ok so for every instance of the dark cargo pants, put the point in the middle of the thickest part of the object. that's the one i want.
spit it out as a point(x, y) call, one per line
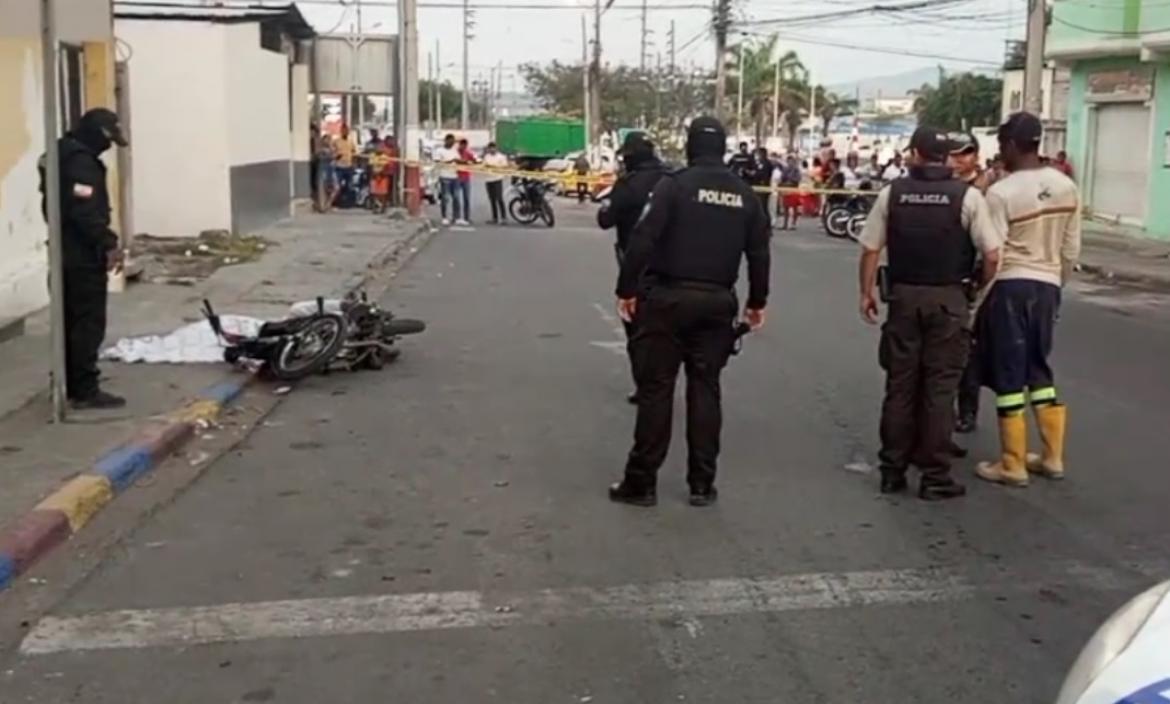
point(85, 328)
point(924, 349)
point(691, 327)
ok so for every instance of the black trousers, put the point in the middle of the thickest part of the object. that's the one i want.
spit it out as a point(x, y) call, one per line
point(1016, 329)
point(691, 327)
point(582, 191)
point(495, 191)
point(923, 349)
point(85, 328)
point(970, 384)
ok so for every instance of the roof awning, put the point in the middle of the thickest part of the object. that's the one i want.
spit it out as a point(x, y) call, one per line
point(288, 16)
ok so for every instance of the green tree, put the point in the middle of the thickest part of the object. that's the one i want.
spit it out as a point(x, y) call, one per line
point(960, 101)
point(452, 99)
point(830, 105)
point(759, 84)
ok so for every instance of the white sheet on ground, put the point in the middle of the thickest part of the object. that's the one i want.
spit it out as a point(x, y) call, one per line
point(195, 342)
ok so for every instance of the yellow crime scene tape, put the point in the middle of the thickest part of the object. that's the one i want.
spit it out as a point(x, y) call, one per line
point(593, 179)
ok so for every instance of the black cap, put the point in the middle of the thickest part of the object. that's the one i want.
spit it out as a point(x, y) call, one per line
point(963, 143)
point(1022, 129)
point(105, 121)
point(931, 143)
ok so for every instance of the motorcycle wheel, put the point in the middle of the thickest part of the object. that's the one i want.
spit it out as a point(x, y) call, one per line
point(837, 222)
point(854, 227)
point(546, 214)
point(393, 327)
point(521, 211)
point(310, 349)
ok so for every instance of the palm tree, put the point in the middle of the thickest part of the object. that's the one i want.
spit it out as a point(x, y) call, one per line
point(829, 105)
point(759, 73)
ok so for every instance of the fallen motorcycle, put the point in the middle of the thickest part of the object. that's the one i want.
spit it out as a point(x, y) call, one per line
point(286, 349)
point(371, 334)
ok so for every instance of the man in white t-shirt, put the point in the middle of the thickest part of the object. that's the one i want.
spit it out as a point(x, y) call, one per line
point(446, 159)
point(496, 162)
point(1037, 210)
point(894, 170)
point(852, 170)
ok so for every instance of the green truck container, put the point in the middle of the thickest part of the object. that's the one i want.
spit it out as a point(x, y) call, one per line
point(545, 137)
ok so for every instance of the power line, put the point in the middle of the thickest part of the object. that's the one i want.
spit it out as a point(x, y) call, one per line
point(1106, 32)
point(838, 14)
point(799, 39)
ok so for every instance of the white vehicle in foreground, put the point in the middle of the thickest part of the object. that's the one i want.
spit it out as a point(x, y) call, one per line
point(1127, 661)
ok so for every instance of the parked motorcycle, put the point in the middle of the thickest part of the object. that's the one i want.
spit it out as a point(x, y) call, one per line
point(287, 349)
point(530, 201)
point(844, 215)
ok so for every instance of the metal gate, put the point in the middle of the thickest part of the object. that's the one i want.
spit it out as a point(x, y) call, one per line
point(1121, 167)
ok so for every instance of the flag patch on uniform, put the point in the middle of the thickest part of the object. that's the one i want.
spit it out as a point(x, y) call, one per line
point(83, 190)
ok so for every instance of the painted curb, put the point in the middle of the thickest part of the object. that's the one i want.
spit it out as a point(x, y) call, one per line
point(64, 512)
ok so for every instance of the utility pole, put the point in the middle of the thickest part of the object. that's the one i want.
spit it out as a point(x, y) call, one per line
point(776, 102)
point(439, 92)
point(585, 71)
point(430, 95)
point(53, 209)
point(657, 90)
point(595, 76)
point(1034, 58)
point(408, 40)
point(739, 100)
point(468, 24)
point(642, 53)
point(721, 23)
point(671, 66)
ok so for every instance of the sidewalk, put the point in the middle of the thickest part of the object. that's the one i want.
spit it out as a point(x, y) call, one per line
point(310, 255)
point(1110, 253)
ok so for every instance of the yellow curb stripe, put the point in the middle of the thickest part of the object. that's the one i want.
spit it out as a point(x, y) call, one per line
point(204, 410)
point(79, 499)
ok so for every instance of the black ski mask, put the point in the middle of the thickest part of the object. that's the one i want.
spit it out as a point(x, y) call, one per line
point(706, 140)
point(99, 130)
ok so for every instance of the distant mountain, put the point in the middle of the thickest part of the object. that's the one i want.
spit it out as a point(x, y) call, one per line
point(895, 85)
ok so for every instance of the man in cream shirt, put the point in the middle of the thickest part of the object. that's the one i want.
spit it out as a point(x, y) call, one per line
point(1037, 209)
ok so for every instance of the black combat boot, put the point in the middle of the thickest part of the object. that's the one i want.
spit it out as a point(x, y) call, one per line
point(625, 492)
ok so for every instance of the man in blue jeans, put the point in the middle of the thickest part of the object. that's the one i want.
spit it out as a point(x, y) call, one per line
point(446, 159)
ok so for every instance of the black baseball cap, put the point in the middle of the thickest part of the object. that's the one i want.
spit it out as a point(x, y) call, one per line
point(1022, 128)
point(635, 142)
point(963, 143)
point(106, 122)
point(931, 143)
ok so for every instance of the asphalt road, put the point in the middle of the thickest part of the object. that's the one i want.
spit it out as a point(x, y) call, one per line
point(439, 531)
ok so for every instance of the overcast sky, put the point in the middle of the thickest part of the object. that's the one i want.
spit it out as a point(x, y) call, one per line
point(948, 33)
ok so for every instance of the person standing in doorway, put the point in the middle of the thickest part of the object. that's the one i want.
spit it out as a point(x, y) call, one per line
point(446, 159)
point(345, 151)
point(1038, 210)
point(466, 157)
point(90, 250)
point(496, 162)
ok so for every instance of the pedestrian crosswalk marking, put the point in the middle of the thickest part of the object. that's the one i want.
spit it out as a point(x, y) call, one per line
point(432, 611)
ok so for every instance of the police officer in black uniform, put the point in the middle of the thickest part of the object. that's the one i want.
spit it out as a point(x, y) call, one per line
point(625, 203)
point(932, 226)
point(698, 224)
point(89, 251)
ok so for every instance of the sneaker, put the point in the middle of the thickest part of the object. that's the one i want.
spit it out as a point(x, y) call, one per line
point(625, 493)
point(98, 400)
point(446, 222)
point(462, 222)
point(703, 496)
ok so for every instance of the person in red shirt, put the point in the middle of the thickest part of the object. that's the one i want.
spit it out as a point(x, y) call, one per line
point(1062, 164)
point(466, 156)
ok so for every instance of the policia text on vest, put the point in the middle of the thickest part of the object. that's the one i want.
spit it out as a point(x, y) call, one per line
point(678, 282)
point(931, 226)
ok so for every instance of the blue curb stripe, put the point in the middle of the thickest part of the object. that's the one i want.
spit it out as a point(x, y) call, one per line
point(224, 392)
point(124, 465)
point(7, 571)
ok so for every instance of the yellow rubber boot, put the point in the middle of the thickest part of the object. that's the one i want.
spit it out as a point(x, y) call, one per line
point(1051, 418)
point(1010, 469)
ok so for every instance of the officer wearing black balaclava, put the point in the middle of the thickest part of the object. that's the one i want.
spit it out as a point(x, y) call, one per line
point(89, 251)
point(677, 284)
point(624, 205)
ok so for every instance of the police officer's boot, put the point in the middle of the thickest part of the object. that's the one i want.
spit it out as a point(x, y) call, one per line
point(1011, 469)
point(626, 492)
point(893, 481)
point(1051, 418)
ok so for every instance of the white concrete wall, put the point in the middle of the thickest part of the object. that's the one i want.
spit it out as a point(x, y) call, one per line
point(257, 83)
point(179, 125)
point(23, 235)
point(300, 107)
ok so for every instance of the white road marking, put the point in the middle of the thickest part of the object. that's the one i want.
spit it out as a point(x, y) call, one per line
point(618, 346)
point(398, 613)
point(615, 347)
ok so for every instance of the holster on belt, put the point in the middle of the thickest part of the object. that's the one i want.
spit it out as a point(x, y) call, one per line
point(885, 286)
